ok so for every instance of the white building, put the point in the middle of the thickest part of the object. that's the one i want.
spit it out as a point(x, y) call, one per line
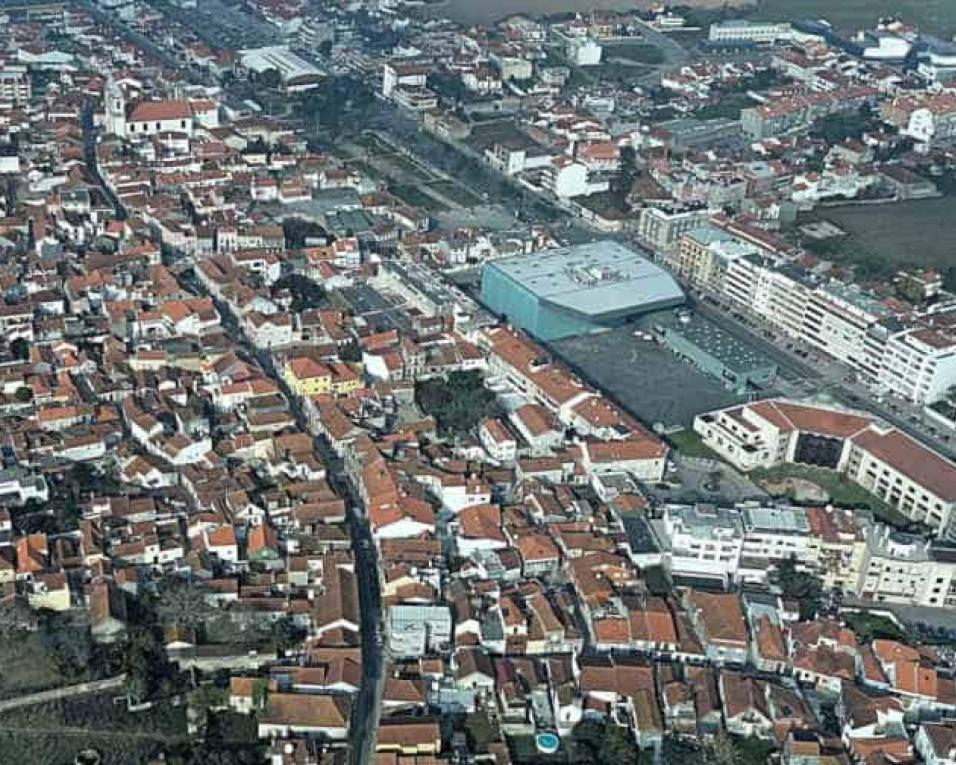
point(14, 83)
point(414, 631)
point(704, 540)
point(292, 68)
point(19, 486)
point(919, 365)
point(146, 118)
point(407, 76)
point(500, 444)
point(739, 31)
point(908, 476)
point(775, 534)
point(903, 568)
point(583, 51)
point(662, 228)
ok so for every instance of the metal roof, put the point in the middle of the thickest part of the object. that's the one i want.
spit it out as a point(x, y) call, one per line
point(596, 279)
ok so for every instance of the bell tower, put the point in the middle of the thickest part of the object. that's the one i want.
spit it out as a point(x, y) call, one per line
point(115, 108)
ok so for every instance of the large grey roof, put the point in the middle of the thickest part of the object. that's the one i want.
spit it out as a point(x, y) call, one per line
point(595, 279)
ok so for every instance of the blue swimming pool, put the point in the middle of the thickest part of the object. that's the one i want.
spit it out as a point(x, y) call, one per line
point(547, 743)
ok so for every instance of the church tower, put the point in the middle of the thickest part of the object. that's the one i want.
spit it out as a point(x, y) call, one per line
point(115, 108)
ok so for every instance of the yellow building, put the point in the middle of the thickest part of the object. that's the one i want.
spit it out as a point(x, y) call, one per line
point(307, 377)
point(344, 379)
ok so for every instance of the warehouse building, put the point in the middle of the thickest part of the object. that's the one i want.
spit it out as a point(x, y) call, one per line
point(576, 290)
point(716, 352)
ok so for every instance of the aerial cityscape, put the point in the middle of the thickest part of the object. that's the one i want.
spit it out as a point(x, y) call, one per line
point(516, 382)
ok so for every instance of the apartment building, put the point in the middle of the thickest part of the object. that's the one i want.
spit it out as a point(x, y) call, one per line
point(838, 319)
point(796, 111)
point(925, 117)
point(837, 544)
point(705, 540)
point(14, 83)
point(772, 535)
point(740, 32)
point(704, 254)
point(740, 544)
point(919, 364)
point(902, 568)
point(661, 228)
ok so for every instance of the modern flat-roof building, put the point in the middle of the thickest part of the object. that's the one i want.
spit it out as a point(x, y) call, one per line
point(717, 353)
point(416, 630)
point(576, 290)
point(741, 31)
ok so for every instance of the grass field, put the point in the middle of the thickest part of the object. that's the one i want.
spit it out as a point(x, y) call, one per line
point(641, 53)
point(688, 443)
point(934, 16)
point(57, 731)
point(919, 232)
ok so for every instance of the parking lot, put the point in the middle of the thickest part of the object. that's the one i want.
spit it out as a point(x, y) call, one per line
point(647, 380)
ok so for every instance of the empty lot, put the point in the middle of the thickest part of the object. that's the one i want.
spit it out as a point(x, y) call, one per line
point(919, 232)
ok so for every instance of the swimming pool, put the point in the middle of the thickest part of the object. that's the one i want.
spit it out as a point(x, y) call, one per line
point(547, 743)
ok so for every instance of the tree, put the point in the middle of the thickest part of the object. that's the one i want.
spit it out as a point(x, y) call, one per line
point(480, 731)
point(801, 586)
point(306, 294)
point(351, 352)
point(616, 746)
point(286, 634)
point(20, 348)
point(182, 605)
point(603, 742)
point(458, 403)
point(870, 627)
point(70, 646)
point(297, 230)
point(145, 662)
point(23, 394)
point(723, 751)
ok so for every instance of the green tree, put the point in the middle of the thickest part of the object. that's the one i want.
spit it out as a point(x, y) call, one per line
point(617, 746)
point(286, 634)
point(183, 605)
point(480, 731)
point(306, 294)
point(588, 735)
point(20, 348)
point(23, 394)
point(458, 403)
point(801, 586)
point(351, 352)
point(270, 78)
point(723, 750)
